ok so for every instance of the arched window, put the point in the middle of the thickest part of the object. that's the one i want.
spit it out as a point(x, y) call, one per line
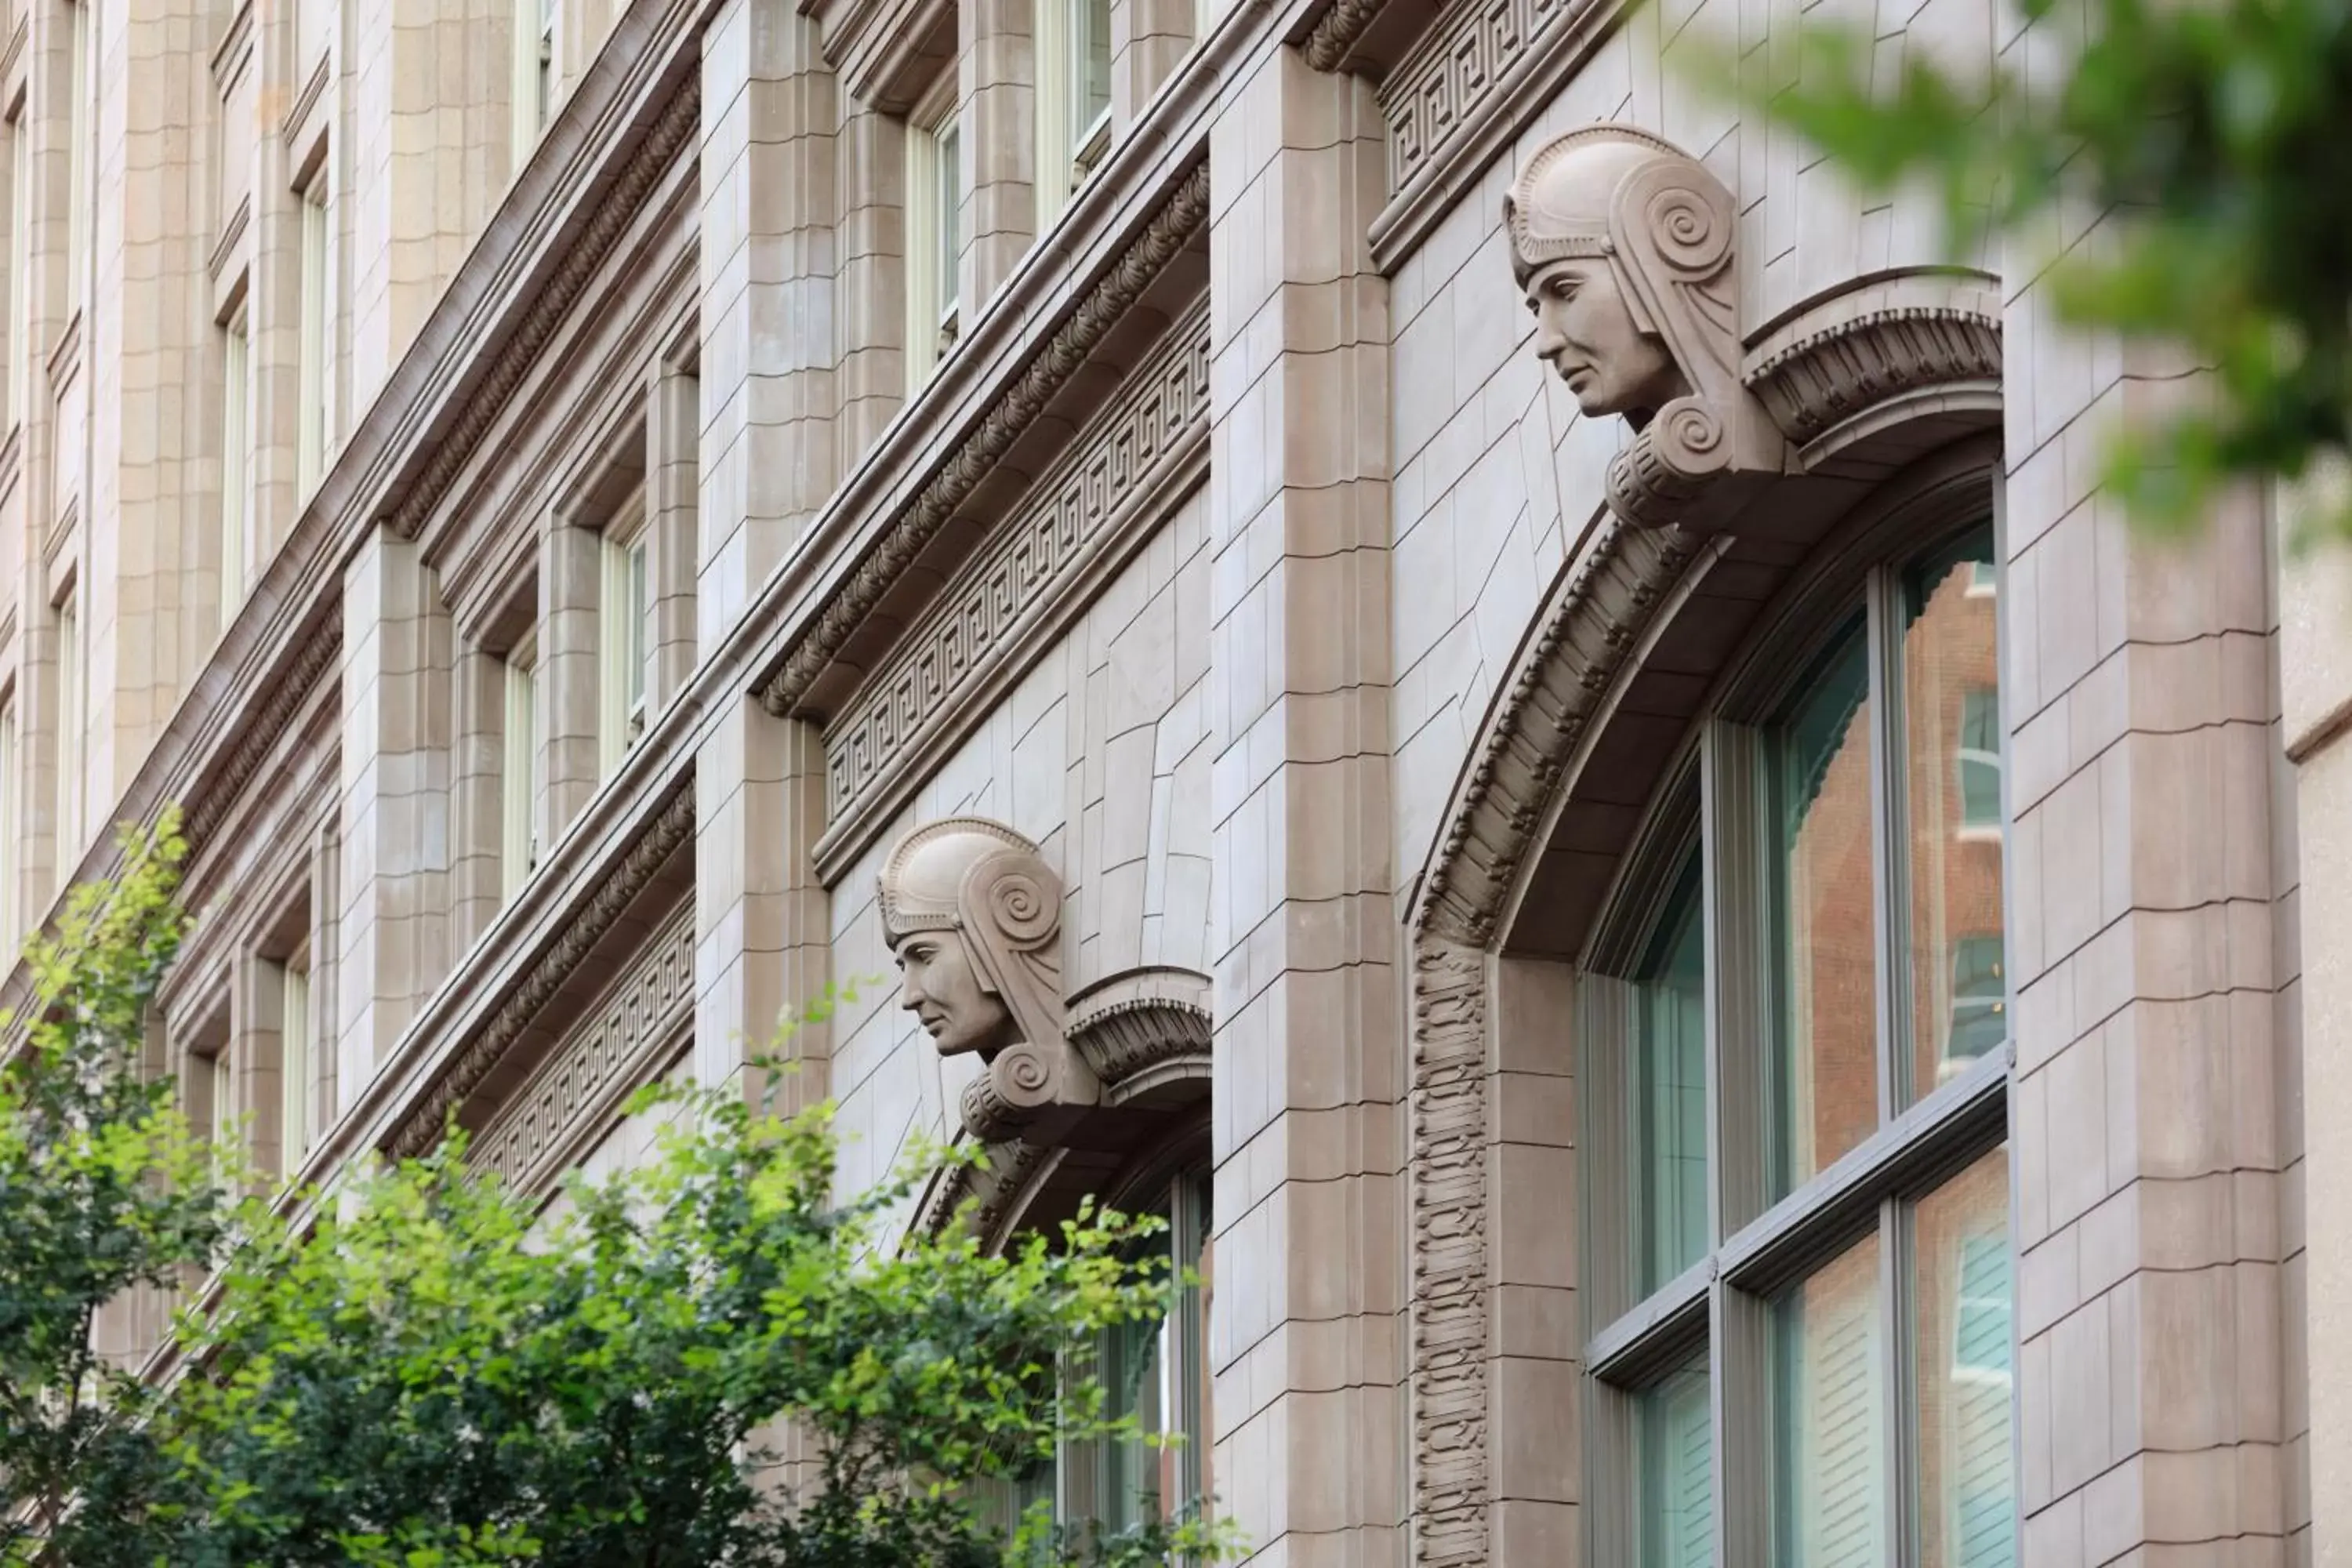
point(1792, 1028)
point(1156, 1371)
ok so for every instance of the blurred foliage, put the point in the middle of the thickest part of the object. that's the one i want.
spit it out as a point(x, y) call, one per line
point(711, 1358)
point(2212, 139)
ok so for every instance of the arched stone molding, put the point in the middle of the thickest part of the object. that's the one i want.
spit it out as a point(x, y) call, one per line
point(1600, 697)
point(1914, 354)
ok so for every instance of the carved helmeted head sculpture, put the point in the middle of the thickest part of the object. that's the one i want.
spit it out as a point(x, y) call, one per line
point(974, 916)
point(1622, 246)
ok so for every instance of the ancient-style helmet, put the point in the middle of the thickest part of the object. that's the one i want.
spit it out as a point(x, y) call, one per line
point(921, 885)
point(1564, 203)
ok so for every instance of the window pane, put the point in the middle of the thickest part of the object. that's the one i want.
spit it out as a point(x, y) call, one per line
point(1961, 1293)
point(1677, 1480)
point(1670, 1091)
point(1829, 1416)
point(1155, 1372)
point(1092, 62)
point(950, 205)
point(1826, 1060)
point(1951, 786)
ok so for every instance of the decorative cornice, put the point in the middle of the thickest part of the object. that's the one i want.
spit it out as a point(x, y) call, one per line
point(601, 1062)
point(259, 738)
point(1450, 1404)
point(1441, 89)
point(552, 302)
point(1118, 463)
point(547, 974)
point(1169, 231)
point(1815, 382)
point(1462, 97)
point(1596, 620)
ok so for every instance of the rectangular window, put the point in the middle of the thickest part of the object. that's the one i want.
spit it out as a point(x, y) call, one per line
point(315, 369)
point(235, 448)
point(221, 1118)
point(518, 775)
point(71, 710)
point(1949, 744)
point(1073, 99)
point(1980, 1002)
point(77, 160)
point(1829, 1419)
point(1673, 1425)
point(20, 261)
point(295, 1034)
point(1980, 760)
point(1825, 1088)
point(1961, 1305)
point(1670, 1092)
point(535, 82)
point(934, 247)
point(621, 612)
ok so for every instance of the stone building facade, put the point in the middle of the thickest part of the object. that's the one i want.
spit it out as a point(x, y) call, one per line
point(1726, 986)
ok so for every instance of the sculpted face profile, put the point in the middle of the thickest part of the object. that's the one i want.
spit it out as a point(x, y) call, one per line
point(974, 917)
point(1623, 248)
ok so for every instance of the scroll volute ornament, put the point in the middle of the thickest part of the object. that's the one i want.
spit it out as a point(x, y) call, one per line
point(1626, 251)
point(974, 916)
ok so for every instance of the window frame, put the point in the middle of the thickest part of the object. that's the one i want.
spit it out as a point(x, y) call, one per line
point(934, 186)
point(237, 463)
point(1720, 1309)
point(1172, 1168)
point(518, 770)
point(314, 332)
point(623, 646)
point(1071, 140)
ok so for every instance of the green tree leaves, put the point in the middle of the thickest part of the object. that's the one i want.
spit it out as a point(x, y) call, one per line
point(2208, 140)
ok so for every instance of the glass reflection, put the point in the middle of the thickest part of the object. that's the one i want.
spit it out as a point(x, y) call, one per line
point(1952, 787)
point(1829, 1416)
point(1961, 1294)
point(1670, 1092)
point(1677, 1481)
point(1826, 1077)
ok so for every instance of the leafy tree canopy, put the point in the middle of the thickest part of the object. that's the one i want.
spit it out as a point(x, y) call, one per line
point(2210, 137)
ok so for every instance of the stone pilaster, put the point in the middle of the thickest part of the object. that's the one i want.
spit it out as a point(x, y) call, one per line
point(431, 132)
point(2155, 1170)
point(769, 115)
point(150, 585)
point(872, 293)
point(570, 581)
point(1309, 1057)
point(394, 919)
point(997, 146)
point(478, 766)
point(673, 490)
point(762, 920)
point(1149, 39)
